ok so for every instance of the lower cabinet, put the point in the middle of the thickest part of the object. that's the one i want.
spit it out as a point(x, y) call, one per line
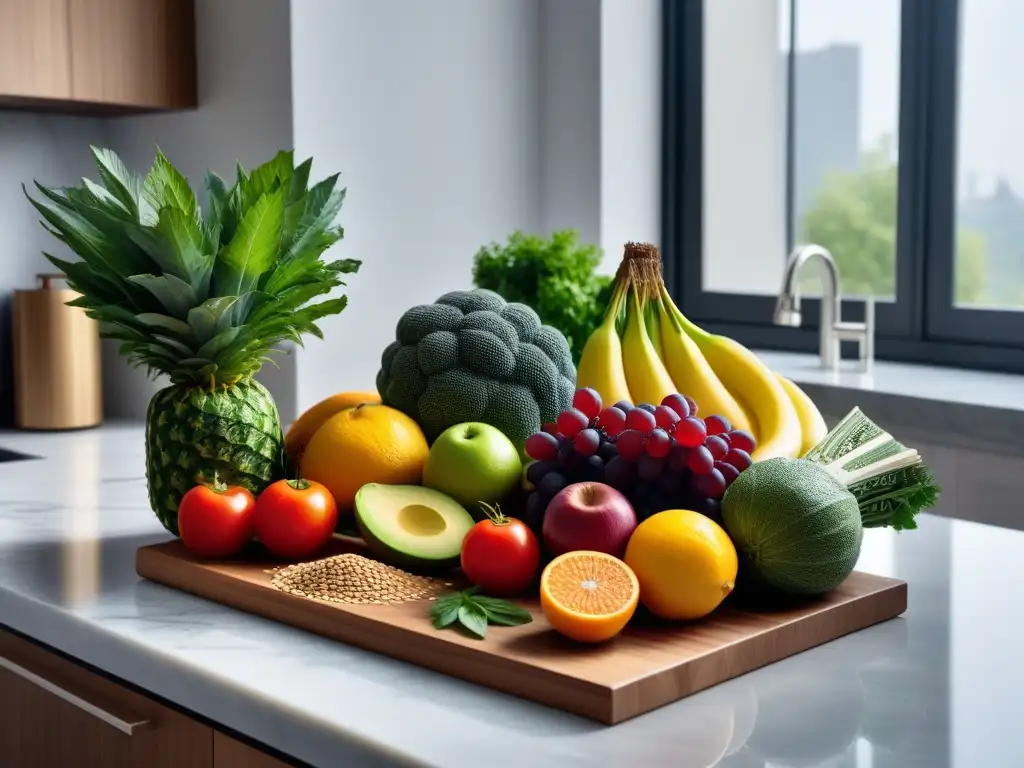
point(230, 753)
point(55, 713)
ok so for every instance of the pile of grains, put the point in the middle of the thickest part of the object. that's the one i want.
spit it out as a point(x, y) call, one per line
point(351, 578)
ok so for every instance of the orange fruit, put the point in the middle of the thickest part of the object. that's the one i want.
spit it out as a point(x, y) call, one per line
point(365, 444)
point(303, 428)
point(588, 596)
point(685, 562)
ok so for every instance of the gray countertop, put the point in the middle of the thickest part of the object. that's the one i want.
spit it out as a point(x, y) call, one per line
point(937, 687)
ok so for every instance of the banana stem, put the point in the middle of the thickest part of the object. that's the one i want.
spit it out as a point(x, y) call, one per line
point(692, 330)
point(611, 315)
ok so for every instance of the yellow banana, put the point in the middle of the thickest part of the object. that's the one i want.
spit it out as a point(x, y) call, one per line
point(694, 377)
point(648, 380)
point(778, 431)
point(600, 364)
point(812, 424)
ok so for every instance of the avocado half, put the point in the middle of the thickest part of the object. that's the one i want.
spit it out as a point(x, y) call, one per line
point(411, 526)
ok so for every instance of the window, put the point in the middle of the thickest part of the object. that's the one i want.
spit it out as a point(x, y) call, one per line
point(884, 130)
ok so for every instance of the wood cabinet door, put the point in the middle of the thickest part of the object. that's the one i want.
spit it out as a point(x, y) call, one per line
point(57, 714)
point(231, 753)
point(35, 57)
point(133, 53)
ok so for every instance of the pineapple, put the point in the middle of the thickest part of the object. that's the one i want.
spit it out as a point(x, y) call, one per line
point(203, 297)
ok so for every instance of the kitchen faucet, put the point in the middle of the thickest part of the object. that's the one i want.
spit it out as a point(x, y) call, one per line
point(833, 329)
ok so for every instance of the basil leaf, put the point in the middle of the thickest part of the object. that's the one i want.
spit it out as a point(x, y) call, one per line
point(508, 619)
point(447, 615)
point(442, 604)
point(473, 618)
point(496, 609)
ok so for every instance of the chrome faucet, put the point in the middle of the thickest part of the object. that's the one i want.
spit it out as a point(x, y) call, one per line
point(833, 329)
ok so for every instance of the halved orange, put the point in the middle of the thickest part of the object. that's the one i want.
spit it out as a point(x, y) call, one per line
point(588, 596)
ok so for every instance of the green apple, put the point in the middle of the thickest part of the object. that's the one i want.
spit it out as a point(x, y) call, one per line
point(474, 463)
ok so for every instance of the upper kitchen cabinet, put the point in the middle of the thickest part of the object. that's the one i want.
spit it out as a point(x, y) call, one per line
point(35, 56)
point(97, 56)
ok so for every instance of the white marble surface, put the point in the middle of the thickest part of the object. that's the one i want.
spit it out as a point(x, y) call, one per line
point(937, 688)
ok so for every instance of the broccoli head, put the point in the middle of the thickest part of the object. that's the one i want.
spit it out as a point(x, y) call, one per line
point(471, 356)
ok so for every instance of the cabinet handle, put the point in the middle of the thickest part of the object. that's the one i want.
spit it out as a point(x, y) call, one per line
point(125, 726)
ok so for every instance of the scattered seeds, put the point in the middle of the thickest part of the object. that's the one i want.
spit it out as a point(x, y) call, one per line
point(351, 578)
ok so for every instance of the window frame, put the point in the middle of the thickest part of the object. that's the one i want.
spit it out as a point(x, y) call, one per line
point(920, 325)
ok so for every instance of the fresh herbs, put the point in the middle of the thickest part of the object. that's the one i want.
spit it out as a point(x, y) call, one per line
point(474, 612)
point(555, 276)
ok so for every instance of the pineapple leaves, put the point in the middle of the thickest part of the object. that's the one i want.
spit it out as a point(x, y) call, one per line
point(253, 249)
point(174, 294)
point(176, 328)
point(176, 245)
point(93, 287)
point(215, 346)
point(345, 266)
point(202, 294)
point(87, 240)
point(120, 182)
point(203, 320)
point(242, 309)
point(272, 175)
point(105, 197)
point(223, 215)
point(299, 181)
point(165, 187)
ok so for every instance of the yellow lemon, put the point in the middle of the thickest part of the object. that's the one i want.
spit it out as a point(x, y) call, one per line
point(685, 562)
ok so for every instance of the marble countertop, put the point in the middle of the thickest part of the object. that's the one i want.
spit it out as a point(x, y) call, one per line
point(936, 688)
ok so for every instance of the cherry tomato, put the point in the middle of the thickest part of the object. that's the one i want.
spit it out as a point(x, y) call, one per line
point(294, 518)
point(216, 520)
point(500, 555)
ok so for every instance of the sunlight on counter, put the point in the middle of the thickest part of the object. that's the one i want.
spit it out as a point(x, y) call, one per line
point(80, 499)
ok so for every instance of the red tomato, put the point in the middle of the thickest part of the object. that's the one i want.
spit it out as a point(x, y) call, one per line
point(500, 555)
point(294, 518)
point(216, 520)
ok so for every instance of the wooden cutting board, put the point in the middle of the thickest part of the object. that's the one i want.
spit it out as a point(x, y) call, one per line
point(647, 666)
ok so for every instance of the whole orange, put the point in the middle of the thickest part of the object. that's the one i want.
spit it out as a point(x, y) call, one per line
point(369, 443)
point(303, 428)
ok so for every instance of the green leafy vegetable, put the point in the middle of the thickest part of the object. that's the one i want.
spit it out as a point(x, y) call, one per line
point(555, 276)
point(473, 612)
point(473, 618)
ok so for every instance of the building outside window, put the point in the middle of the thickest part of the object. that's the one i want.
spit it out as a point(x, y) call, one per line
point(885, 130)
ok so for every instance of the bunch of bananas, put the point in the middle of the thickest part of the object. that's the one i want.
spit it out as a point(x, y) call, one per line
point(660, 352)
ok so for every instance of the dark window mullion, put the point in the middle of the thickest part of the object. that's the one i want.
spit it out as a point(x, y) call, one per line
point(914, 161)
point(683, 148)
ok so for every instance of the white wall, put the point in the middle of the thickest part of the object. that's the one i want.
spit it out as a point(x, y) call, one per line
point(50, 149)
point(244, 114)
point(429, 111)
point(600, 114)
point(630, 119)
point(453, 123)
point(570, 117)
